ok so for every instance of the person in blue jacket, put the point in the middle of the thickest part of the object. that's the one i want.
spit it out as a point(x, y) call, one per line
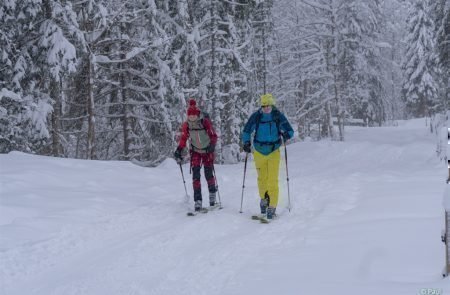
point(270, 127)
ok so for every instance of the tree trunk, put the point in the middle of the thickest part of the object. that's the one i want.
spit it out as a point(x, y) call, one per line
point(125, 120)
point(335, 69)
point(54, 93)
point(90, 110)
point(56, 116)
point(328, 123)
point(339, 111)
point(215, 114)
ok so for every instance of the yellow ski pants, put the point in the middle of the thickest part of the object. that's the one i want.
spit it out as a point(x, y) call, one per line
point(268, 167)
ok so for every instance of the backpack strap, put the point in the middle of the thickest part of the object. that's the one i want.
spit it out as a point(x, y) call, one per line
point(258, 119)
point(201, 127)
point(197, 129)
point(201, 124)
point(275, 118)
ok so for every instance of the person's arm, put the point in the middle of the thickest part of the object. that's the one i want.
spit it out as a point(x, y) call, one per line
point(210, 131)
point(285, 127)
point(184, 135)
point(249, 128)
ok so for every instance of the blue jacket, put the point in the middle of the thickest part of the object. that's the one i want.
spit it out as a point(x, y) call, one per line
point(267, 137)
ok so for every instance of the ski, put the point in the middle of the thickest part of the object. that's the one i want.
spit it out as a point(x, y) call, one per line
point(258, 217)
point(194, 213)
point(215, 207)
point(265, 220)
point(262, 218)
point(205, 210)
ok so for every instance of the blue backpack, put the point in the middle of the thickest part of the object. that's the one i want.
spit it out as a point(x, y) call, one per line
point(275, 118)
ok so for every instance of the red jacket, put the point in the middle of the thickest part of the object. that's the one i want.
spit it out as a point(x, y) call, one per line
point(209, 130)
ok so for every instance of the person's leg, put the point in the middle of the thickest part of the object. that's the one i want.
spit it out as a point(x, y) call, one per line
point(272, 180)
point(208, 163)
point(261, 168)
point(196, 184)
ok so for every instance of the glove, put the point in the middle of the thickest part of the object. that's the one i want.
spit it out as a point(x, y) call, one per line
point(210, 148)
point(177, 155)
point(247, 147)
point(285, 136)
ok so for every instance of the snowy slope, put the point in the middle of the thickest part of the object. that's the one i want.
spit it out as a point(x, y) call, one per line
point(367, 217)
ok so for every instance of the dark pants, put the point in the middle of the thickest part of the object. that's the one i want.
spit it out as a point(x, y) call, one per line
point(207, 159)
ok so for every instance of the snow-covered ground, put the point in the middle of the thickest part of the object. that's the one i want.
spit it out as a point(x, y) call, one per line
point(367, 217)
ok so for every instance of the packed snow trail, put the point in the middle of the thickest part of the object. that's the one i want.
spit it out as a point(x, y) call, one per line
point(366, 219)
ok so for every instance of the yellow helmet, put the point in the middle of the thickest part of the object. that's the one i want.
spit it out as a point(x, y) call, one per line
point(267, 99)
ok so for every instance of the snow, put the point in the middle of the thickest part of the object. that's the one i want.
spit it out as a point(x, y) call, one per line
point(135, 51)
point(38, 113)
point(61, 53)
point(447, 198)
point(10, 94)
point(367, 217)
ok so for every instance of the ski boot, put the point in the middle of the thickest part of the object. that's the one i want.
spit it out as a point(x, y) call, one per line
point(212, 199)
point(264, 203)
point(271, 213)
point(198, 205)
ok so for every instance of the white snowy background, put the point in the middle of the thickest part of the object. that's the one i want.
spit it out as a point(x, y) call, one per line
point(367, 218)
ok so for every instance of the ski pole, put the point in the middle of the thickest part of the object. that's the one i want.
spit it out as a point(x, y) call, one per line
point(184, 182)
point(287, 174)
point(217, 187)
point(243, 182)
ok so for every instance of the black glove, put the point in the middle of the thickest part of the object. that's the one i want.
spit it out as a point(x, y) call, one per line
point(247, 147)
point(210, 148)
point(285, 136)
point(177, 155)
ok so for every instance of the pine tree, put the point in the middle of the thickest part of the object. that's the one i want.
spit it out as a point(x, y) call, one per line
point(79, 113)
point(239, 69)
point(442, 17)
point(222, 71)
point(440, 13)
point(37, 56)
point(262, 44)
point(419, 86)
point(394, 27)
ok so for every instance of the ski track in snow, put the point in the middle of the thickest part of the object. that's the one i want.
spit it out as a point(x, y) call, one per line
point(365, 220)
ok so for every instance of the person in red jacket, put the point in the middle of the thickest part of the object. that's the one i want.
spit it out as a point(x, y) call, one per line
point(202, 137)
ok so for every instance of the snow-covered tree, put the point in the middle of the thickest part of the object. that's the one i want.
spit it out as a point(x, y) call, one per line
point(101, 79)
point(442, 20)
point(38, 53)
point(440, 13)
point(330, 63)
point(394, 28)
point(224, 70)
point(419, 86)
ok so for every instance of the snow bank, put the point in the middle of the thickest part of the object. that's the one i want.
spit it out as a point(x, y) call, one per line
point(447, 198)
point(366, 219)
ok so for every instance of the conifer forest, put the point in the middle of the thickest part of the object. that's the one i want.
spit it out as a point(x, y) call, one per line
point(111, 80)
